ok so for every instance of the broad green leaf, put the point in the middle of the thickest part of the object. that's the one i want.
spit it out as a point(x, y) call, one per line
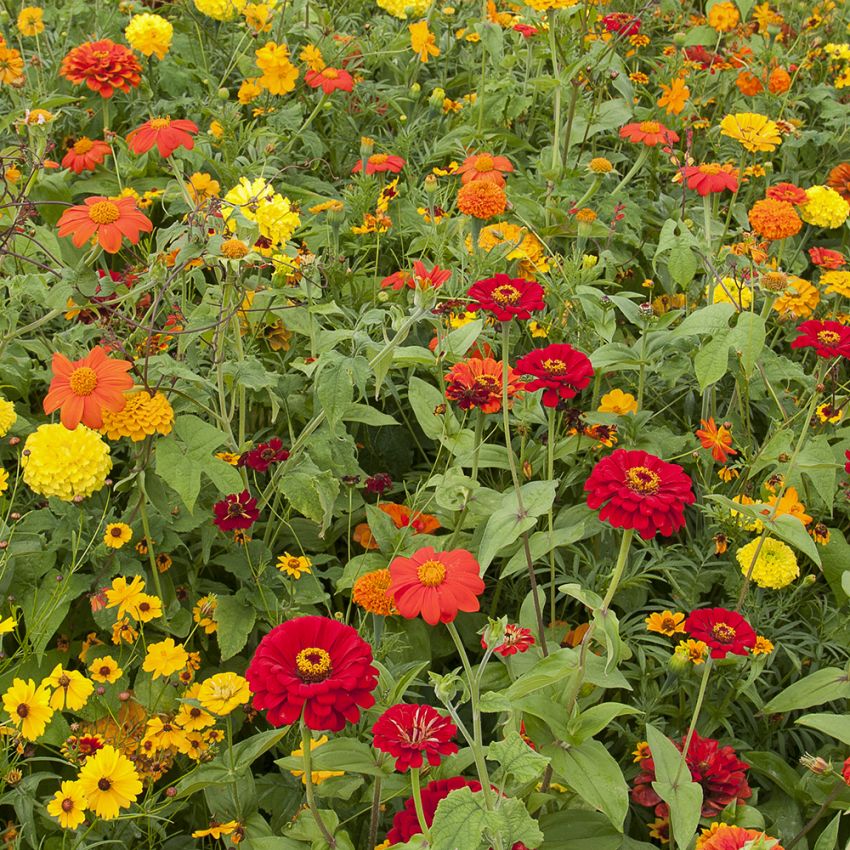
point(682, 264)
point(836, 725)
point(516, 759)
point(246, 752)
point(541, 543)
point(334, 382)
point(235, 621)
point(835, 563)
point(747, 339)
point(596, 718)
point(711, 361)
point(790, 529)
point(825, 685)
point(425, 400)
point(347, 754)
point(311, 491)
point(575, 829)
point(828, 839)
point(709, 320)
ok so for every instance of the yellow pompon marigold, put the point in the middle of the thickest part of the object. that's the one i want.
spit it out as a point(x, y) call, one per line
point(279, 74)
point(66, 464)
point(234, 249)
point(370, 593)
point(600, 165)
point(774, 220)
point(753, 131)
point(143, 416)
point(482, 199)
point(824, 207)
point(8, 417)
point(31, 21)
point(109, 782)
point(422, 41)
point(149, 34)
point(724, 17)
point(775, 564)
point(220, 10)
point(402, 8)
point(28, 707)
point(666, 622)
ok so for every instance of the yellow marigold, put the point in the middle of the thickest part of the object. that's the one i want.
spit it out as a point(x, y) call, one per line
point(544, 5)
point(31, 21)
point(618, 402)
point(142, 416)
point(370, 593)
point(8, 417)
point(753, 131)
point(234, 249)
point(481, 199)
point(62, 463)
point(401, 9)
point(520, 244)
point(149, 34)
point(799, 299)
point(277, 220)
point(723, 17)
point(11, 65)
point(220, 10)
point(732, 291)
point(600, 165)
point(773, 219)
point(216, 130)
point(279, 74)
point(836, 281)
point(775, 565)
point(223, 693)
point(824, 207)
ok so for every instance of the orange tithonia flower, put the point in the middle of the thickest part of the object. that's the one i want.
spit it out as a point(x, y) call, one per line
point(165, 133)
point(402, 517)
point(482, 199)
point(649, 133)
point(485, 166)
point(477, 382)
point(85, 155)
point(773, 219)
point(81, 389)
point(718, 439)
point(109, 219)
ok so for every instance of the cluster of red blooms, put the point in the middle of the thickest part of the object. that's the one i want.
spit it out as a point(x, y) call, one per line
point(236, 511)
point(263, 455)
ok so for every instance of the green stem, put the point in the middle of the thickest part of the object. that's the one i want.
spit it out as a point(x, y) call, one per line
point(631, 172)
point(307, 758)
point(550, 475)
point(619, 568)
point(417, 802)
point(476, 447)
point(683, 763)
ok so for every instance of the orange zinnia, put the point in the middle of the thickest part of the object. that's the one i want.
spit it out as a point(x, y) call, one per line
point(82, 389)
point(166, 134)
point(839, 179)
point(402, 517)
point(110, 219)
point(719, 440)
point(85, 155)
point(649, 133)
point(485, 166)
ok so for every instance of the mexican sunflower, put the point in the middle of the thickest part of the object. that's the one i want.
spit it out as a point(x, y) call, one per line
point(558, 369)
point(108, 219)
point(485, 166)
point(506, 297)
point(379, 162)
point(103, 66)
point(719, 440)
point(649, 133)
point(316, 668)
point(329, 80)
point(409, 732)
point(724, 631)
point(402, 517)
point(165, 133)
point(435, 585)
point(638, 490)
point(85, 155)
point(710, 177)
point(83, 388)
point(477, 383)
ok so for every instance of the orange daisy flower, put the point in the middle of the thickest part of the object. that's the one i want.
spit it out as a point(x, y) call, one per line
point(166, 134)
point(110, 219)
point(649, 133)
point(85, 155)
point(485, 166)
point(719, 440)
point(83, 388)
point(477, 382)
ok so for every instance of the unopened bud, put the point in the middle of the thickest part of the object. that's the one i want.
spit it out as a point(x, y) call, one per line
point(816, 764)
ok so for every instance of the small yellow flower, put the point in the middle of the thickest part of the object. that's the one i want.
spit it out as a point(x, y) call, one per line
point(147, 608)
point(223, 692)
point(204, 613)
point(149, 34)
point(422, 41)
point(827, 413)
point(217, 830)
point(105, 670)
point(694, 651)
point(753, 131)
point(165, 658)
point(618, 402)
point(8, 417)
point(31, 21)
point(665, 623)
point(7, 625)
point(762, 646)
point(769, 562)
point(641, 751)
point(124, 595)
point(72, 689)
point(294, 566)
point(28, 707)
point(68, 805)
point(117, 534)
point(109, 782)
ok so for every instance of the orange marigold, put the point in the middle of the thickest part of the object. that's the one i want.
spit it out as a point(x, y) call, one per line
point(370, 593)
point(749, 84)
point(779, 81)
point(773, 219)
point(482, 199)
point(839, 179)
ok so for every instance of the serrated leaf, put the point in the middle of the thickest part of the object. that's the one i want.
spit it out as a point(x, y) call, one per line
point(516, 759)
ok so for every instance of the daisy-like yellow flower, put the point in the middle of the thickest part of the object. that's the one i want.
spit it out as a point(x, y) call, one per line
point(31, 21)
point(7, 625)
point(422, 41)
point(217, 830)
point(641, 751)
point(201, 187)
point(109, 782)
point(223, 693)
point(8, 417)
point(125, 595)
point(123, 631)
point(165, 658)
point(192, 717)
point(693, 651)
point(665, 623)
point(68, 805)
point(117, 534)
point(753, 131)
point(827, 413)
point(762, 646)
point(293, 565)
point(147, 608)
point(164, 734)
point(204, 613)
point(71, 689)
point(105, 669)
point(618, 402)
point(318, 776)
point(4, 480)
point(28, 707)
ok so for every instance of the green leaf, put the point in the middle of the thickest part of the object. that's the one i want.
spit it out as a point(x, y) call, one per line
point(711, 361)
point(551, 670)
point(596, 718)
point(709, 320)
point(836, 725)
point(347, 754)
point(246, 752)
point(574, 829)
point(46, 605)
point(425, 399)
point(235, 621)
point(682, 264)
point(822, 686)
point(828, 839)
point(747, 339)
point(334, 382)
point(541, 543)
point(835, 563)
point(791, 529)
point(311, 491)
point(516, 759)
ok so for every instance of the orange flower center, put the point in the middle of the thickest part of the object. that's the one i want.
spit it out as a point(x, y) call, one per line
point(431, 573)
point(641, 480)
point(711, 168)
point(84, 145)
point(650, 127)
point(313, 664)
point(723, 632)
point(828, 337)
point(83, 381)
point(379, 158)
point(554, 366)
point(104, 212)
point(484, 163)
point(506, 294)
point(159, 123)
point(330, 73)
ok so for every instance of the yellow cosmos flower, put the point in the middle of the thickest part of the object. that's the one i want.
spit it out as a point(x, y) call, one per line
point(28, 707)
point(71, 689)
point(109, 782)
point(618, 402)
point(125, 596)
point(68, 805)
point(31, 21)
point(165, 658)
point(422, 41)
point(279, 74)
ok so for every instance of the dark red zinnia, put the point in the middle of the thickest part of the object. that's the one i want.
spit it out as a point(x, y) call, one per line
point(717, 769)
point(237, 510)
point(406, 824)
point(515, 639)
point(621, 23)
point(825, 258)
point(558, 369)
point(506, 297)
point(828, 339)
point(407, 732)
point(264, 455)
point(724, 631)
point(316, 666)
point(787, 192)
point(638, 490)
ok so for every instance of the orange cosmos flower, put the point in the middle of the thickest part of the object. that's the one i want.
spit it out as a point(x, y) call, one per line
point(329, 80)
point(674, 97)
point(485, 166)
point(85, 155)
point(166, 134)
point(109, 219)
point(719, 440)
point(103, 66)
point(82, 389)
point(477, 382)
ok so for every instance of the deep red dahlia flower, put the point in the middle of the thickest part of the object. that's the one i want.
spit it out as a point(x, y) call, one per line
point(435, 585)
point(717, 769)
point(237, 510)
point(828, 339)
point(516, 639)
point(710, 177)
point(724, 631)
point(406, 824)
point(407, 732)
point(103, 66)
point(166, 134)
point(639, 490)
point(262, 456)
point(506, 297)
point(825, 258)
point(314, 665)
point(558, 369)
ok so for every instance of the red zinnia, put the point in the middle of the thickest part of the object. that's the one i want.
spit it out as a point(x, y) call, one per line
point(477, 382)
point(406, 823)
point(516, 639)
point(435, 585)
point(103, 66)
point(505, 297)
point(380, 162)
point(828, 339)
point(717, 769)
point(558, 369)
point(787, 192)
point(641, 491)
point(724, 631)
point(727, 837)
point(825, 258)
point(316, 666)
point(85, 155)
point(525, 30)
point(330, 79)
point(622, 23)
point(264, 455)
point(710, 177)
point(110, 219)
point(406, 732)
point(649, 133)
point(237, 510)
point(166, 134)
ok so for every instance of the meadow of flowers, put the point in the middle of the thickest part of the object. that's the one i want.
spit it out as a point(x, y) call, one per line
point(425, 425)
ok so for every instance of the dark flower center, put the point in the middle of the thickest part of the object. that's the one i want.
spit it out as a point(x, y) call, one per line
point(67, 805)
point(104, 784)
point(23, 710)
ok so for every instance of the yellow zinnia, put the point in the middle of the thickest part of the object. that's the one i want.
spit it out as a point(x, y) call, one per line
point(754, 131)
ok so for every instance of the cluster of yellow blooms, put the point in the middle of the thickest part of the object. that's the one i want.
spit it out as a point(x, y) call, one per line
point(257, 202)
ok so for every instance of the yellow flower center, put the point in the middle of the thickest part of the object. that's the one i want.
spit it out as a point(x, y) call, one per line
point(378, 158)
point(104, 212)
point(723, 632)
point(484, 163)
point(641, 480)
point(330, 73)
point(828, 337)
point(83, 381)
point(650, 127)
point(84, 145)
point(313, 664)
point(711, 168)
point(554, 366)
point(160, 123)
point(506, 294)
point(431, 573)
